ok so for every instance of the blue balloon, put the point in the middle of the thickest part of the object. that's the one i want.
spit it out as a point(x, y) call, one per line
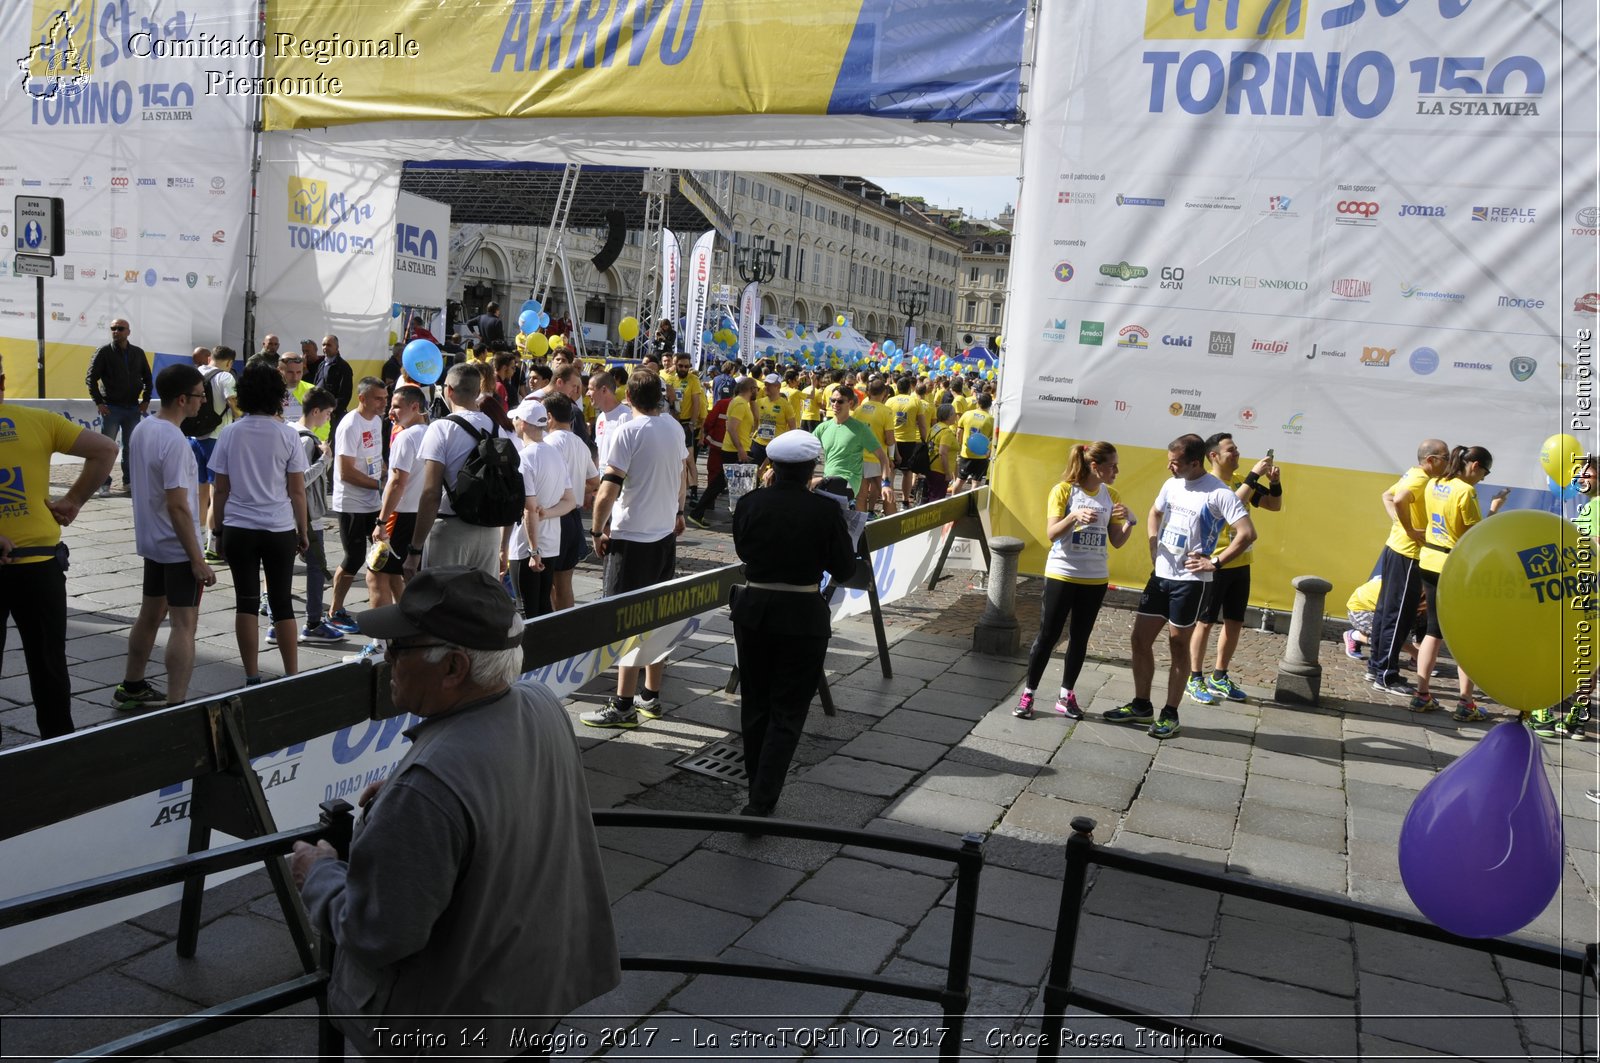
point(708, 337)
point(422, 361)
point(978, 443)
point(528, 321)
point(1481, 850)
point(394, 309)
point(532, 305)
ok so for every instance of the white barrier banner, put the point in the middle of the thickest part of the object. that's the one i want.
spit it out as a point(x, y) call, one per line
point(152, 160)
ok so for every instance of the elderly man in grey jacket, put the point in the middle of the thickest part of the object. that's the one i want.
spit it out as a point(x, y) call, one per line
point(474, 896)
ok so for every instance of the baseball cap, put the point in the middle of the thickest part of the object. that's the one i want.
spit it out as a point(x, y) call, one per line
point(532, 412)
point(458, 604)
point(773, 378)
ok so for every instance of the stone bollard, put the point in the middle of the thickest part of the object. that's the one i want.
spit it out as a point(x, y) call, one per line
point(997, 634)
point(1299, 674)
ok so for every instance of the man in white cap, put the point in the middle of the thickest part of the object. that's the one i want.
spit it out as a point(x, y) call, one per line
point(439, 905)
point(786, 536)
point(773, 416)
point(549, 497)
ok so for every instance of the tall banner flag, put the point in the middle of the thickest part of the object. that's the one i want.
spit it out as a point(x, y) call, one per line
point(421, 255)
point(109, 106)
point(694, 315)
point(671, 262)
point(1331, 230)
point(925, 60)
point(749, 317)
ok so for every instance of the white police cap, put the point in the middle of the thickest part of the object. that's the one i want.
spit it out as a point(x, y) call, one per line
point(795, 446)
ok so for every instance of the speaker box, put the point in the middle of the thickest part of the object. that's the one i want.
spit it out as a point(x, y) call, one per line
point(615, 238)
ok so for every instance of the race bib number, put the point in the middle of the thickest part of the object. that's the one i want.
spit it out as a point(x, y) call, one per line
point(1175, 540)
point(1089, 539)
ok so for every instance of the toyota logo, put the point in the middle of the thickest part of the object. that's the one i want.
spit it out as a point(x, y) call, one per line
point(1352, 206)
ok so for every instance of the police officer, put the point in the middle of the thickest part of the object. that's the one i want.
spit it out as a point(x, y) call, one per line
point(786, 536)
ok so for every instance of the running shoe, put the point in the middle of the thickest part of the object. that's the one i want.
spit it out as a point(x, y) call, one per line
point(140, 696)
point(1593, 795)
point(1352, 649)
point(1468, 711)
point(1224, 687)
point(1024, 709)
point(323, 633)
point(649, 708)
point(1545, 723)
point(611, 715)
point(344, 622)
point(272, 634)
point(1197, 691)
point(1395, 688)
point(1575, 725)
point(1130, 713)
point(212, 557)
point(1068, 706)
point(697, 521)
point(1423, 703)
point(1166, 726)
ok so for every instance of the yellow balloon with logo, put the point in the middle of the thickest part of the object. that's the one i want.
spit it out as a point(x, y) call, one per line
point(1516, 609)
point(1560, 456)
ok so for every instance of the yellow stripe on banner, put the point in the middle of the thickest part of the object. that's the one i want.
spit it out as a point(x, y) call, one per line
point(1281, 20)
point(65, 366)
point(372, 60)
point(1332, 524)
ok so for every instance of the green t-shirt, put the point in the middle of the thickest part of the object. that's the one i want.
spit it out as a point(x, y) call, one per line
point(1588, 520)
point(842, 447)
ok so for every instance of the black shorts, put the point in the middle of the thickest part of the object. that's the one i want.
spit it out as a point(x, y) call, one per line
point(1226, 595)
point(758, 453)
point(688, 435)
point(972, 468)
point(173, 581)
point(905, 455)
point(573, 539)
point(355, 535)
point(1430, 583)
point(402, 526)
point(631, 565)
point(1176, 601)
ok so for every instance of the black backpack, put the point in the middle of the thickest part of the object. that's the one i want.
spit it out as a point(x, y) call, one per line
point(488, 490)
point(206, 420)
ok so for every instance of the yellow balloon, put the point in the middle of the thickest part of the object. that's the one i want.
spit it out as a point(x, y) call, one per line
point(839, 320)
point(557, 342)
point(538, 344)
point(628, 328)
point(1560, 456)
point(1506, 606)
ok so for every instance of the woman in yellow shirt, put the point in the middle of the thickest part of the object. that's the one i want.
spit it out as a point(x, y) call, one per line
point(942, 449)
point(1452, 507)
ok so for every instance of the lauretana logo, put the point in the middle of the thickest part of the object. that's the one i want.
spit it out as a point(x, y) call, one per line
point(1351, 288)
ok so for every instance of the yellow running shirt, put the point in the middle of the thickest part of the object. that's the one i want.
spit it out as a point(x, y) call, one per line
point(739, 408)
point(905, 409)
point(1414, 481)
point(27, 439)
point(976, 421)
point(1452, 507)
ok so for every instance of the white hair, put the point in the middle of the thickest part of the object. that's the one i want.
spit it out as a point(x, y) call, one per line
point(490, 668)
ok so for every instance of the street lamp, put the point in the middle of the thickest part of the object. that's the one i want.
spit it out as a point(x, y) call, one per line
point(912, 301)
point(756, 264)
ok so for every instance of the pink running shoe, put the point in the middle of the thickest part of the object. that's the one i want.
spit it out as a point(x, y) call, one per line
point(1068, 706)
point(1024, 709)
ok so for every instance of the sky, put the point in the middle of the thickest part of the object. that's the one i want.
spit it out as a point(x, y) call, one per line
point(982, 197)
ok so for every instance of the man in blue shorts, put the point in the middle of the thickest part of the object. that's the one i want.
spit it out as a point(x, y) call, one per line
point(1184, 523)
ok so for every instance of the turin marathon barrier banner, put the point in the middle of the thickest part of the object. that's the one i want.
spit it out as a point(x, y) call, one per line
point(104, 109)
point(933, 60)
point(1332, 229)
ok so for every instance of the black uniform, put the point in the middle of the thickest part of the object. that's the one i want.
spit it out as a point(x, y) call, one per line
point(783, 534)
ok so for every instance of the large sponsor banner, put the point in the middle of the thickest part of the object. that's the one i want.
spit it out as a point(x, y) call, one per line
point(671, 259)
point(420, 230)
point(1331, 229)
point(934, 60)
point(699, 295)
point(107, 108)
point(327, 247)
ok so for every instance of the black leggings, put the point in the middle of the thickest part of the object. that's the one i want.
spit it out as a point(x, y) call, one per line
point(249, 551)
point(1062, 600)
point(534, 587)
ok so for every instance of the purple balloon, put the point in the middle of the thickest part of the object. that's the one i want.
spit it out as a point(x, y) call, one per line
point(1481, 850)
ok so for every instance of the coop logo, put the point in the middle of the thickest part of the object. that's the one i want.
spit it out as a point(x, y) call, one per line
point(1177, 341)
point(1585, 222)
point(1416, 291)
point(1420, 210)
point(1055, 330)
point(1123, 272)
point(1350, 288)
point(1134, 338)
point(1548, 570)
point(1139, 201)
point(1294, 425)
point(1377, 357)
point(1506, 215)
point(1424, 360)
point(119, 182)
point(1356, 212)
point(1522, 367)
point(1063, 272)
point(1221, 344)
point(1092, 333)
point(1269, 346)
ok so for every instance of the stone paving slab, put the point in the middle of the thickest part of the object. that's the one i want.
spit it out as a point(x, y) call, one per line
point(1258, 1010)
point(735, 884)
point(872, 889)
point(815, 935)
point(889, 748)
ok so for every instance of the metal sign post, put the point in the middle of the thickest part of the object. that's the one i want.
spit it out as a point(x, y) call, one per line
point(41, 235)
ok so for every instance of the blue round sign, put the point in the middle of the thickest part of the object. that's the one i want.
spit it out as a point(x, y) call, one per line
point(1424, 360)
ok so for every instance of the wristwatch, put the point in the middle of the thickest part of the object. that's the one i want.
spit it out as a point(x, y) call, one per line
point(413, 550)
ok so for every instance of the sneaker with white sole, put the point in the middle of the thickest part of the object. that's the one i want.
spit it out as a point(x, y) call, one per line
point(141, 696)
point(342, 620)
point(1352, 648)
point(1130, 713)
point(1068, 706)
point(1024, 709)
point(649, 708)
point(321, 634)
point(1224, 687)
point(610, 715)
point(1198, 691)
point(1165, 727)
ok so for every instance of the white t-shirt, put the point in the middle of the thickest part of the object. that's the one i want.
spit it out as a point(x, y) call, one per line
point(604, 423)
point(223, 385)
point(159, 459)
point(1193, 514)
point(650, 453)
point(580, 464)
point(256, 453)
point(449, 444)
point(403, 457)
point(360, 438)
point(544, 477)
point(1080, 555)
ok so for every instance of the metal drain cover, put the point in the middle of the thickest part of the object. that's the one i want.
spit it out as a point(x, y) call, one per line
point(720, 760)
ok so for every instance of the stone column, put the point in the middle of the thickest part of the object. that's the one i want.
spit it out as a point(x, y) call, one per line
point(996, 633)
point(1299, 674)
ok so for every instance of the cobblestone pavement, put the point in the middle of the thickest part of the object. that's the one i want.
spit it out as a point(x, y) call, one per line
point(1312, 798)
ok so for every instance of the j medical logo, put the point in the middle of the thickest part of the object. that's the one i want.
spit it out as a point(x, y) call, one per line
point(61, 58)
point(13, 494)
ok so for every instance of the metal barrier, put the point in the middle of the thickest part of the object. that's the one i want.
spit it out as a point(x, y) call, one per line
point(1082, 853)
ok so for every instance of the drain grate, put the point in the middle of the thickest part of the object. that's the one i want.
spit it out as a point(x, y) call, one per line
point(720, 760)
